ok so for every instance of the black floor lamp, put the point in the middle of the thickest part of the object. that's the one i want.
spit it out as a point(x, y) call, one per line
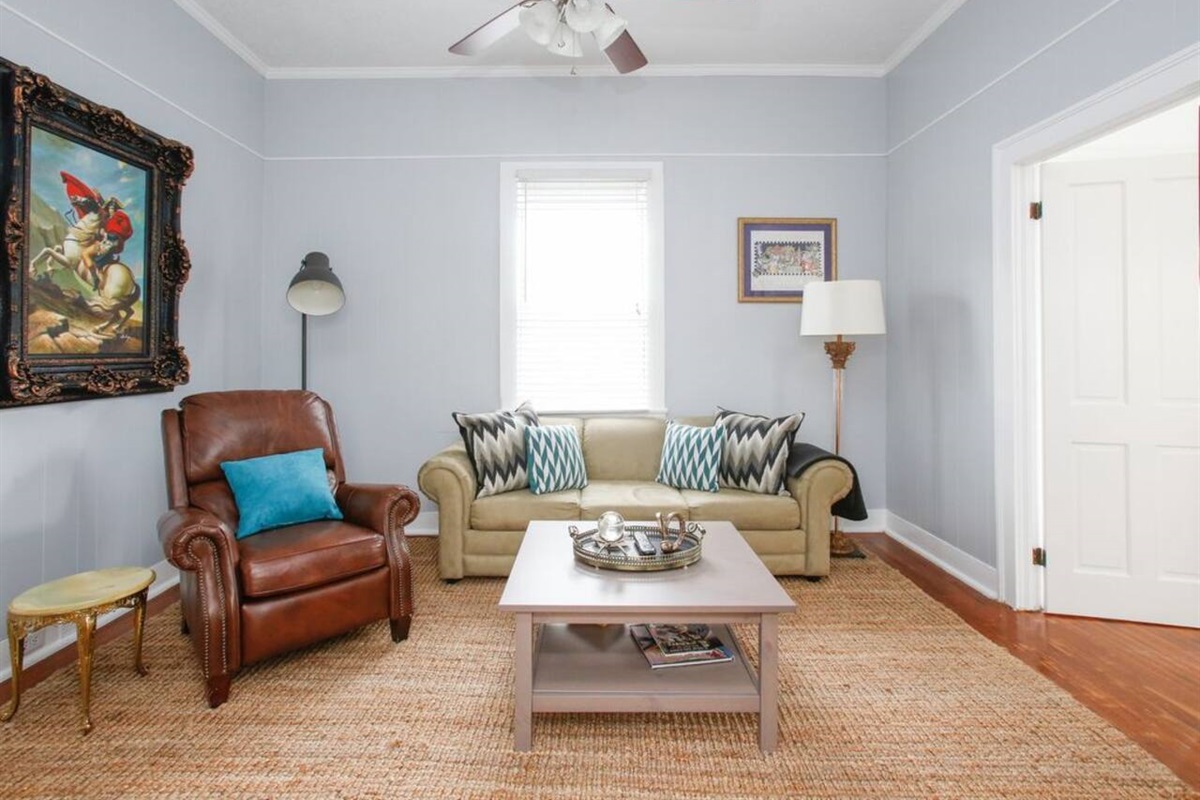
point(315, 291)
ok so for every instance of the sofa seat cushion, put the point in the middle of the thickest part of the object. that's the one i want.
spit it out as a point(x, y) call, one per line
point(512, 511)
point(305, 556)
point(748, 511)
point(634, 500)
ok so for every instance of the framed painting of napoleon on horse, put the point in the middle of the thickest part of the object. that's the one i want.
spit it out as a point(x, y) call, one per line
point(92, 262)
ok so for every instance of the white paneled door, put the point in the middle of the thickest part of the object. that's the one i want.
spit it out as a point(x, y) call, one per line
point(1121, 306)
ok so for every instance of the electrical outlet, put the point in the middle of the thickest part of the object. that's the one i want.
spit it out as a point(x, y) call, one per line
point(35, 641)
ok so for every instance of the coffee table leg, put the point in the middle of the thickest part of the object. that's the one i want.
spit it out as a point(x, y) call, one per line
point(768, 682)
point(139, 627)
point(86, 629)
point(16, 649)
point(524, 674)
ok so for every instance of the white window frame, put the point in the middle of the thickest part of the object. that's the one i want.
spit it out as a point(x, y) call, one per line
point(651, 170)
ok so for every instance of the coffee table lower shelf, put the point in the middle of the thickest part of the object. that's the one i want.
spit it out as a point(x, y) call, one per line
point(599, 668)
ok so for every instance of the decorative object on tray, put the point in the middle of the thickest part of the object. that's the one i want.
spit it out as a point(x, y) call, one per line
point(92, 262)
point(616, 544)
point(713, 650)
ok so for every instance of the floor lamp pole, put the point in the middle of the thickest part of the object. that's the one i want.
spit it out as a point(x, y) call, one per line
point(839, 353)
point(304, 351)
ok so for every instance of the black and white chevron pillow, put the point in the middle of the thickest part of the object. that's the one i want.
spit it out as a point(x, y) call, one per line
point(496, 444)
point(756, 450)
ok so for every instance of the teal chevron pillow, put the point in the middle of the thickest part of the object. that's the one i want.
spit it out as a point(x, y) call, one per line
point(691, 457)
point(284, 489)
point(554, 459)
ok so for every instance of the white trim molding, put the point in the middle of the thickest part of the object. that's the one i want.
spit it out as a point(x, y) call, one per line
point(981, 577)
point(1016, 302)
point(60, 637)
point(875, 522)
point(922, 33)
point(224, 35)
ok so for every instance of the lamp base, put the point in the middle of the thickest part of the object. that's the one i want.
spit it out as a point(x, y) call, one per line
point(842, 546)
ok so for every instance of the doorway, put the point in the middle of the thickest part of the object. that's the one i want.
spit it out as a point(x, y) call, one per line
point(1017, 303)
point(1120, 287)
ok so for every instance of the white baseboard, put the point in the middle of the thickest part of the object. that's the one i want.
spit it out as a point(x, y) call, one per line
point(875, 522)
point(59, 637)
point(964, 566)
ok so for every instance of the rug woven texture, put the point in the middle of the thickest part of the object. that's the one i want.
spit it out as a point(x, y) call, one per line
point(884, 693)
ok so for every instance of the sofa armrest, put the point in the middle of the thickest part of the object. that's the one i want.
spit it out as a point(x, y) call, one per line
point(816, 489)
point(383, 508)
point(448, 478)
point(197, 542)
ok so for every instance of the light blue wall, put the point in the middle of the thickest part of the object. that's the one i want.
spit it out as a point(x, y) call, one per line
point(398, 181)
point(81, 484)
point(993, 69)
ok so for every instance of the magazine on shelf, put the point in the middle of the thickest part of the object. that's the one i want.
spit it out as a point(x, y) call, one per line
point(718, 653)
point(677, 639)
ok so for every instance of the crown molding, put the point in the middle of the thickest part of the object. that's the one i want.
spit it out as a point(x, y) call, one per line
point(223, 34)
point(920, 35)
point(568, 70)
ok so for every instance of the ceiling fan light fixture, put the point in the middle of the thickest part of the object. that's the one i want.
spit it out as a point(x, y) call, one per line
point(609, 29)
point(565, 42)
point(584, 16)
point(540, 21)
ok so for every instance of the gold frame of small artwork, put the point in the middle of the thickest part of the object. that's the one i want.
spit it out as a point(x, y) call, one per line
point(793, 232)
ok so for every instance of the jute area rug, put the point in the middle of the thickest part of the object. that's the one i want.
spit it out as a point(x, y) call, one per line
point(884, 693)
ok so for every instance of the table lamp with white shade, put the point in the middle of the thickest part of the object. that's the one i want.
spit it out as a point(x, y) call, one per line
point(840, 309)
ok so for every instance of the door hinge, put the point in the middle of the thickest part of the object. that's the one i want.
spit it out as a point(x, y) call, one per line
point(1035, 210)
point(1039, 556)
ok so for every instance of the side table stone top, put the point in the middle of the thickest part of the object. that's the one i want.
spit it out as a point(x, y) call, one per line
point(81, 591)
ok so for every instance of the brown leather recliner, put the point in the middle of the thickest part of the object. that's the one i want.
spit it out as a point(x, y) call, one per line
point(247, 600)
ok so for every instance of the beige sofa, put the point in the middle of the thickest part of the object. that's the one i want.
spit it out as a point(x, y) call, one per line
point(480, 536)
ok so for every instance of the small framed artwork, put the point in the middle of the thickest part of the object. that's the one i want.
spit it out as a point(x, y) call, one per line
point(92, 262)
point(777, 257)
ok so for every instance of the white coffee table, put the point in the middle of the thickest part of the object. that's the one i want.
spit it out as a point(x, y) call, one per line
point(576, 665)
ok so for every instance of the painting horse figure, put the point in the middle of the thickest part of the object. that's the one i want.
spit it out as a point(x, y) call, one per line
point(91, 249)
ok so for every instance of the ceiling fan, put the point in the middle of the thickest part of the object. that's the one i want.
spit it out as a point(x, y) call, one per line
point(559, 25)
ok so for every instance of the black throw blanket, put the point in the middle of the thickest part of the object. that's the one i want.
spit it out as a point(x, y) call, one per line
point(849, 507)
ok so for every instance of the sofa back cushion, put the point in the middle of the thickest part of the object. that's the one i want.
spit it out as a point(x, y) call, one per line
point(623, 448)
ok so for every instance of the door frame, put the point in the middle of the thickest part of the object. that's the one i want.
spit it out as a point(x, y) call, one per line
point(1016, 303)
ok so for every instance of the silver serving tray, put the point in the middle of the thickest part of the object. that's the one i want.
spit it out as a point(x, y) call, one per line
point(623, 556)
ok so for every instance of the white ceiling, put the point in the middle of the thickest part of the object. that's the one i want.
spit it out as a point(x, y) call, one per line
point(409, 38)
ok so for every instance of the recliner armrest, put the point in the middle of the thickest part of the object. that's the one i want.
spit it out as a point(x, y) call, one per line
point(383, 508)
point(179, 528)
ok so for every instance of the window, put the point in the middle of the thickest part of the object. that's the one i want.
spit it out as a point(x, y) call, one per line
point(581, 311)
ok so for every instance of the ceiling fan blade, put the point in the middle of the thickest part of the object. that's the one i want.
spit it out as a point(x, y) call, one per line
point(625, 55)
point(489, 32)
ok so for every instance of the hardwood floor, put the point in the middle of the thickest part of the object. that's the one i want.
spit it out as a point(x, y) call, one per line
point(1143, 679)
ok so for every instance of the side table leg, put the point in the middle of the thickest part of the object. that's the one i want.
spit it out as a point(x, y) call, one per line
point(86, 627)
point(139, 627)
point(768, 682)
point(524, 689)
point(16, 650)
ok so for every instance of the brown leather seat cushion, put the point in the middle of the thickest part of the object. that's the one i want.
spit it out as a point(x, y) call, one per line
point(305, 556)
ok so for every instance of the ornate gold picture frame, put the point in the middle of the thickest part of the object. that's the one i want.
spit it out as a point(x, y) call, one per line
point(92, 263)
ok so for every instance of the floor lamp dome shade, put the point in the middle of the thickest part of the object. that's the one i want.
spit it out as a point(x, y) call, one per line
point(842, 308)
point(315, 290)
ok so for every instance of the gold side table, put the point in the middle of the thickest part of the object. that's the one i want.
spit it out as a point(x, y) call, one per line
point(77, 599)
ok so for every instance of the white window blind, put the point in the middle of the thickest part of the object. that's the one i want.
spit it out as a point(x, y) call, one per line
point(586, 321)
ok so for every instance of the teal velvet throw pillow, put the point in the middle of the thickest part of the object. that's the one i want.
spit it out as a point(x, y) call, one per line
point(555, 459)
point(285, 489)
